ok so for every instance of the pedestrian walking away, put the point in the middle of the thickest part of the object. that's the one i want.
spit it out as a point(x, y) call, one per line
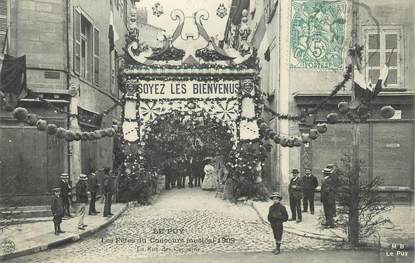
point(108, 192)
point(277, 215)
point(93, 187)
point(310, 183)
point(65, 194)
point(57, 210)
point(295, 191)
point(82, 199)
point(328, 197)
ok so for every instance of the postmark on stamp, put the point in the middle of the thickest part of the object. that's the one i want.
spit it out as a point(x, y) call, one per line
point(317, 34)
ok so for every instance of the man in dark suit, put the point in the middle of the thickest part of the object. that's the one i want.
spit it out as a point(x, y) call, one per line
point(328, 196)
point(108, 192)
point(197, 170)
point(309, 187)
point(93, 189)
point(181, 172)
point(295, 191)
point(66, 194)
point(168, 173)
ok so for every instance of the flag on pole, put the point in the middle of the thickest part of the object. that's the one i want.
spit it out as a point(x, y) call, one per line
point(364, 91)
point(112, 33)
point(13, 80)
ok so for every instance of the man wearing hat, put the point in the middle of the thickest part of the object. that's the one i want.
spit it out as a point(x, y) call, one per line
point(309, 187)
point(295, 191)
point(82, 199)
point(93, 189)
point(277, 215)
point(57, 210)
point(328, 196)
point(65, 189)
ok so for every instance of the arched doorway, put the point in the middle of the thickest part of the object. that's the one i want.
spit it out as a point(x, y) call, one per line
point(178, 145)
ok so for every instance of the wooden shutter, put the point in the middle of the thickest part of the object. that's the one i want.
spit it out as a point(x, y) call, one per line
point(3, 25)
point(77, 41)
point(96, 56)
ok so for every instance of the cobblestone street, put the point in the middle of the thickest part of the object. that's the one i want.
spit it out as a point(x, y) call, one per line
point(181, 222)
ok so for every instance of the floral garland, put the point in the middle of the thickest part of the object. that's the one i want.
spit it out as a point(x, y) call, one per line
point(346, 77)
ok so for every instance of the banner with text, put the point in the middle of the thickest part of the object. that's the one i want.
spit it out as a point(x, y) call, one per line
point(159, 89)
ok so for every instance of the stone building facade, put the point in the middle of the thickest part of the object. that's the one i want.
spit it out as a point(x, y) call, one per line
point(295, 81)
point(71, 66)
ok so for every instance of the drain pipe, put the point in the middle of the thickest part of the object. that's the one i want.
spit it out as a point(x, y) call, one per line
point(68, 76)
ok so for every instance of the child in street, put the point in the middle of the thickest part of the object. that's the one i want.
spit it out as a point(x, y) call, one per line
point(277, 216)
point(57, 210)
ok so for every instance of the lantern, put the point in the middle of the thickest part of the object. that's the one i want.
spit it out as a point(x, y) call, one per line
point(313, 134)
point(60, 133)
point(387, 112)
point(41, 125)
point(84, 136)
point(332, 118)
point(321, 128)
point(70, 136)
point(77, 136)
point(305, 137)
point(31, 119)
point(284, 141)
point(52, 129)
point(20, 114)
point(297, 141)
point(343, 107)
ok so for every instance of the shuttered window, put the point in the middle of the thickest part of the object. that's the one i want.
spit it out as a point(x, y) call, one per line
point(86, 47)
point(96, 56)
point(3, 25)
point(77, 42)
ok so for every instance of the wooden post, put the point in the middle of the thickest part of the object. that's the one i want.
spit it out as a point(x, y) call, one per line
point(354, 225)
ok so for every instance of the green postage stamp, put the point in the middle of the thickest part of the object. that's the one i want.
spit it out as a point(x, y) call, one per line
point(317, 34)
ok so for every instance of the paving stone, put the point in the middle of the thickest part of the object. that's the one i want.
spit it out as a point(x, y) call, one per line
point(199, 223)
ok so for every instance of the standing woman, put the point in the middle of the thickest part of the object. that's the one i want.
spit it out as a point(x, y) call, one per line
point(211, 175)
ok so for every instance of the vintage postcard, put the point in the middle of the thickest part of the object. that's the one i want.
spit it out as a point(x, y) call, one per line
point(207, 131)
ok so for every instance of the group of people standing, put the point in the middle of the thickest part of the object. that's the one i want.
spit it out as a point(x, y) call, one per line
point(208, 173)
point(62, 198)
point(302, 188)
